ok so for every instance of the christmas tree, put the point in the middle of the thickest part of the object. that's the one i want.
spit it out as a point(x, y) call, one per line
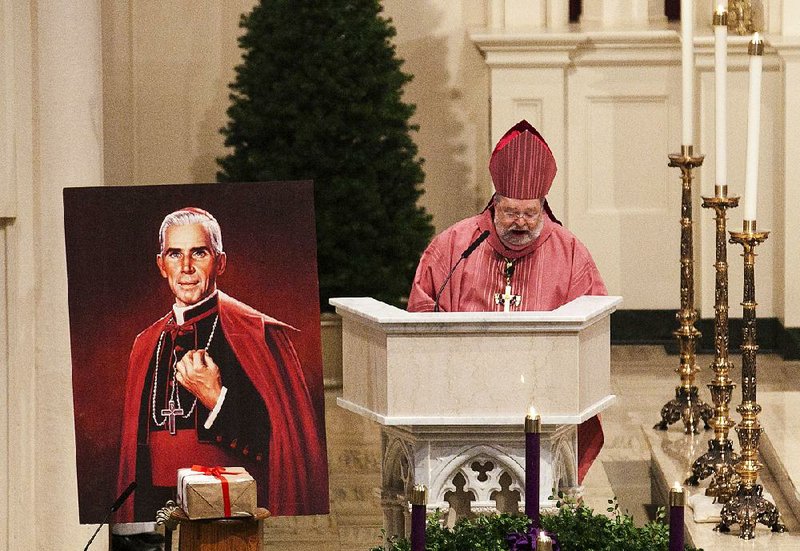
point(319, 96)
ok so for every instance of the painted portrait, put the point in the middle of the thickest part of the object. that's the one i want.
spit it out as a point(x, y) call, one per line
point(195, 335)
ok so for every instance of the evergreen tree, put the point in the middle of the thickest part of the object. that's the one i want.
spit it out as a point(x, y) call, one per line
point(319, 96)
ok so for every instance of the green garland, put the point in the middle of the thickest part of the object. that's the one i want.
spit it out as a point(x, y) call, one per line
point(577, 528)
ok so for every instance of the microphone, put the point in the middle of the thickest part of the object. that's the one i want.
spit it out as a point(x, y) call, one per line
point(468, 251)
point(117, 504)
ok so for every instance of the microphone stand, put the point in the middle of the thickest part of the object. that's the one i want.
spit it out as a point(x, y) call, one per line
point(117, 504)
point(468, 251)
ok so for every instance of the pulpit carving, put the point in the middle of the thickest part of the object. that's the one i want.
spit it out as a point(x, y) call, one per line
point(398, 478)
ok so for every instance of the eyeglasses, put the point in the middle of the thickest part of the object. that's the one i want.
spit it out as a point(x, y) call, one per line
point(528, 216)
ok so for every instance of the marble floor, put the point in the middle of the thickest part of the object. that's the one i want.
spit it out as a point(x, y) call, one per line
point(643, 379)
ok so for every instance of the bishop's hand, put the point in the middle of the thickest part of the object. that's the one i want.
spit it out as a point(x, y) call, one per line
point(198, 374)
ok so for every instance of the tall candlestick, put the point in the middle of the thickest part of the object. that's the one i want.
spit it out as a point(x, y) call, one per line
point(677, 502)
point(419, 500)
point(720, 87)
point(533, 429)
point(687, 65)
point(756, 51)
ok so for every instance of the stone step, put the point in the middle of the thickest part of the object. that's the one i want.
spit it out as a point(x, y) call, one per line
point(780, 444)
point(672, 455)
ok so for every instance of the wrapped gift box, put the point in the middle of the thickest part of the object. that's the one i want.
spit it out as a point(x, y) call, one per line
point(200, 494)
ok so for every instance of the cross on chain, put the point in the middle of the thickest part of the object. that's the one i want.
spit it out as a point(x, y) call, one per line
point(171, 413)
point(507, 298)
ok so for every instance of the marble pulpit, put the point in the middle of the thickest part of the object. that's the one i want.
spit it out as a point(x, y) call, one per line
point(451, 391)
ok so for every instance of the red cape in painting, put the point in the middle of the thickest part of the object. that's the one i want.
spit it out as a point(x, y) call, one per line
point(297, 468)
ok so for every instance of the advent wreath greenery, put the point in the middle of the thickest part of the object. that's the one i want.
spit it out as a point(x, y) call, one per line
point(575, 527)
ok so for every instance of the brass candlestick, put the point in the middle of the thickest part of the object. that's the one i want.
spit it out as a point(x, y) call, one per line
point(720, 456)
point(686, 405)
point(747, 506)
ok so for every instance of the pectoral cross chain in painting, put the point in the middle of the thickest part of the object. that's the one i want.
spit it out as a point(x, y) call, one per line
point(171, 413)
point(508, 298)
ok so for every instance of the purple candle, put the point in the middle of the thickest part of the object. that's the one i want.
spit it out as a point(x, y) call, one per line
point(419, 500)
point(677, 501)
point(533, 429)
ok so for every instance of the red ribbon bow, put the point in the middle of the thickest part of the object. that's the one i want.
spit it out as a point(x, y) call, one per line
point(218, 472)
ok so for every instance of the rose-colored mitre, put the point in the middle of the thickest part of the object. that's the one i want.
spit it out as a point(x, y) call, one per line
point(522, 165)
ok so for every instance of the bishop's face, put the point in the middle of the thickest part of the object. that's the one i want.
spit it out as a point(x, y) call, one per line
point(518, 221)
point(189, 263)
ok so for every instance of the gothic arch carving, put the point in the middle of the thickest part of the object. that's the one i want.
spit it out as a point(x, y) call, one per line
point(481, 466)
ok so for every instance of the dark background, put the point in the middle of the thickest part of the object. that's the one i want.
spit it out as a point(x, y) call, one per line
point(116, 291)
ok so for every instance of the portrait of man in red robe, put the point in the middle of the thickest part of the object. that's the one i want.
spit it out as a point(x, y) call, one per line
point(210, 379)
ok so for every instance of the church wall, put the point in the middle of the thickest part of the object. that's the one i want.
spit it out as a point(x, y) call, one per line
point(17, 476)
point(51, 137)
point(619, 120)
point(68, 137)
point(790, 239)
point(166, 67)
point(451, 91)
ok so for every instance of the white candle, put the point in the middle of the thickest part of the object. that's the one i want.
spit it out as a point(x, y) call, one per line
point(756, 50)
point(720, 87)
point(687, 65)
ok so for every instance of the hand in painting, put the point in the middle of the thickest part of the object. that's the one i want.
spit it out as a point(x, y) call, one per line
point(198, 374)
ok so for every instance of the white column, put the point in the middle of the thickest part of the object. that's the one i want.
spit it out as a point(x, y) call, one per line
point(790, 299)
point(497, 14)
point(557, 14)
point(784, 18)
point(621, 13)
point(69, 146)
point(525, 14)
point(17, 477)
point(790, 18)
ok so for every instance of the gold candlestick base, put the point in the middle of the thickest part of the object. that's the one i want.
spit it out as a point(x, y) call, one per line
point(720, 457)
point(720, 454)
point(747, 506)
point(687, 404)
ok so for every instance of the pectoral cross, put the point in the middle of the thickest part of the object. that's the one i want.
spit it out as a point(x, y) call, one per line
point(171, 413)
point(507, 298)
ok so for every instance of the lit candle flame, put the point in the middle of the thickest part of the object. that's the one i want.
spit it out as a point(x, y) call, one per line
point(756, 38)
point(532, 413)
point(720, 9)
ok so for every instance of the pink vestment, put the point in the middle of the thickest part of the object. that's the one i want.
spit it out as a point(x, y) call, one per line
point(557, 269)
